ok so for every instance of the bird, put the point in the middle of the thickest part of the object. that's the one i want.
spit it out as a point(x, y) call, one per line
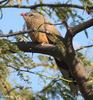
point(36, 21)
point(39, 23)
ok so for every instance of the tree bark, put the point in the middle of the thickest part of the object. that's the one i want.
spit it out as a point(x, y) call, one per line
point(80, 74)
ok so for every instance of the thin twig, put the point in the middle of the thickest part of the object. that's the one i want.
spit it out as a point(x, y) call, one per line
point(17, 87)
point(3, 1)
point(27, 31)
point(50, 77)
point(83, 47)
point(23, 32)
point(46, 5)
point(15, 33)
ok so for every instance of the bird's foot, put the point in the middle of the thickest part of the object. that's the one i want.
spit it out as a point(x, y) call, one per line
point(43, 43)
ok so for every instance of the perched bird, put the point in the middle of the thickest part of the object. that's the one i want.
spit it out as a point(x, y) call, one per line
point(37, 21)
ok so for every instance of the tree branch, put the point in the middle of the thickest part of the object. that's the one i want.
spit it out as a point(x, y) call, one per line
point(39, 74)
point(78, 28)
point(17, 87)
point(3, 1)
point(48, 49)
point(75, 30)
point(16, 33)
point(83, 47)
point(46, 5)
point(27, 31)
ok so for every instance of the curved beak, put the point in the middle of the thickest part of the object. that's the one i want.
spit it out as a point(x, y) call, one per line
point(23, 14)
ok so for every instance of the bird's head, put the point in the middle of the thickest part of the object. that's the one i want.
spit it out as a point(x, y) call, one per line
point(32, 16)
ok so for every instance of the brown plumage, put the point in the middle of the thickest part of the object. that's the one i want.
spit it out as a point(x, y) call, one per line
point(37, 22)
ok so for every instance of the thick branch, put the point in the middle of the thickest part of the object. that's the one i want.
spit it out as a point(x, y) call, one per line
point(46, 5)
point(75, 30)
point(78, 28)
point(48, 49)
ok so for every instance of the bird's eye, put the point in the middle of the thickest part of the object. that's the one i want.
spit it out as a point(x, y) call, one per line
point(30, 14)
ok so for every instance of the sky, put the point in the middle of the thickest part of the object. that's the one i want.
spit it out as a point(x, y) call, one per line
point(13, 21)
